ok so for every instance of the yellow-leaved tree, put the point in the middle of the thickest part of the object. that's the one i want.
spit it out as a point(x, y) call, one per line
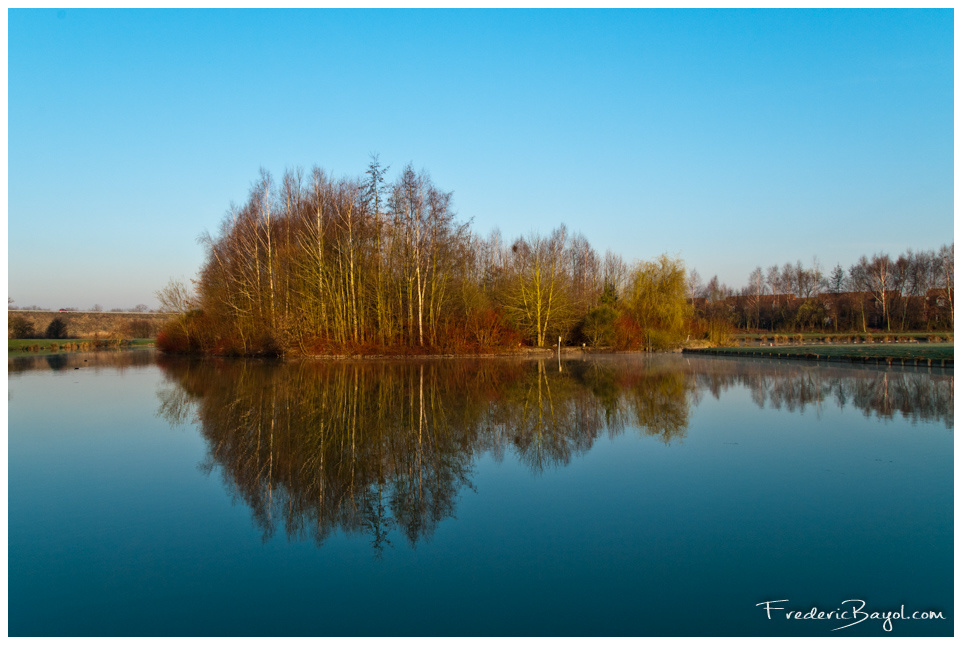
point(657, 301)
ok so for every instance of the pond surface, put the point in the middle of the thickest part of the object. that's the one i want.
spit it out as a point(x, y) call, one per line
point(618, 495)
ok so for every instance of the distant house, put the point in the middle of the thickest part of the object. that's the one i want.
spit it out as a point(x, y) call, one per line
point(939, 304)
point(939, 297)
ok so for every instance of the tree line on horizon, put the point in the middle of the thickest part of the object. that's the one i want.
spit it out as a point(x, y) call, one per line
point(911, 292)
point(96, 308)
point(317, 265)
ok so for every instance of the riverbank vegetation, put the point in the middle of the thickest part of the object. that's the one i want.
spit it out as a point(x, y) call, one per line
point(316, 265)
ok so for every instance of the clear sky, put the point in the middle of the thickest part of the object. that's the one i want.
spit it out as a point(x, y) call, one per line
point(729, 138)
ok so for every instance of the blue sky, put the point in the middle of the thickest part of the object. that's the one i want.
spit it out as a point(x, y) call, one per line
point(729, 138)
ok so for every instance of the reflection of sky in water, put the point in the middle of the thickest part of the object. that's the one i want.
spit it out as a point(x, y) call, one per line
point(121, 523)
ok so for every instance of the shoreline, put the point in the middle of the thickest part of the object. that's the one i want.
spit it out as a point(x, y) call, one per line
point(920, 354)
point(843, 354)
point(525, 353)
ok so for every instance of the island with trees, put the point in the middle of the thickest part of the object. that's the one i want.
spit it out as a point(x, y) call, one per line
point(316, 265)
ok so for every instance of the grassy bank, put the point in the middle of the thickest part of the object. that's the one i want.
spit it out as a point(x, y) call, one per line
point(927, 353)
point(53, 346)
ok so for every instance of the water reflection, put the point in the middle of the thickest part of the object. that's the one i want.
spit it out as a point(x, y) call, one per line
point(385, 448)
point(918, 394)
point(371, 447)
point(117, 359)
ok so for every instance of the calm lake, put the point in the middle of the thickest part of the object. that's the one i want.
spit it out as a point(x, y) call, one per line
point(617, 495)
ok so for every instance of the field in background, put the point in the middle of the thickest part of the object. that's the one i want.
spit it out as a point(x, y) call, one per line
point(95, 324)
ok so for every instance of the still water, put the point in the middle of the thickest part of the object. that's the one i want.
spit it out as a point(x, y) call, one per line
point(618, 495)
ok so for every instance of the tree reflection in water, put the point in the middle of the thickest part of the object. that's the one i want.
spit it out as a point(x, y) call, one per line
point(918, 394)
point(383, 448)
point(107, 359)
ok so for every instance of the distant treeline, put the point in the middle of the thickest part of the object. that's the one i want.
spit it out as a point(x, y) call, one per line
point(138, 309)
point(319, 265)
point(911, 292)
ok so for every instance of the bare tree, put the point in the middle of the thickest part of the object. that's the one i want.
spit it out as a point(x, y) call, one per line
point(717, 294)
point(774, 281)
point(836, 282)
point(176, 297)
point(539, 295)
point(755, 291)
point(818, 278)
point(695, 285)
point(374, 189)
point(945, 262)
point(901, 270)
point(880, 283)
point(859, 281)
point(615, 272)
